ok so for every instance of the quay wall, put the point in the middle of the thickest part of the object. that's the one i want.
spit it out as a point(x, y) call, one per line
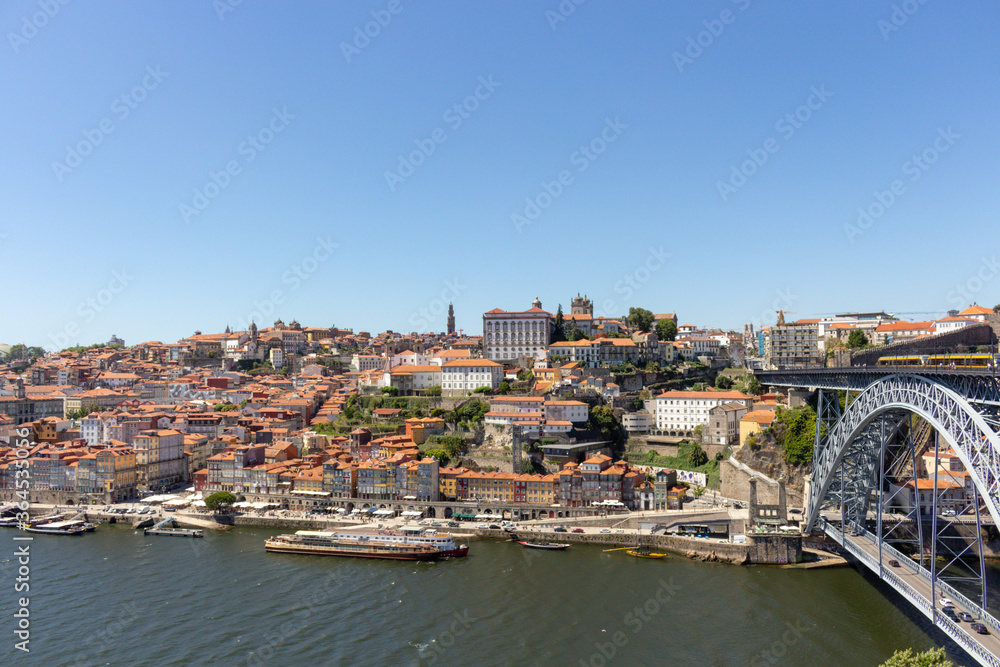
point(769, 549)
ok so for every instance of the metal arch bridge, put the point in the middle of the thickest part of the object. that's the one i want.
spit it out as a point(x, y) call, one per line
point(870, 425)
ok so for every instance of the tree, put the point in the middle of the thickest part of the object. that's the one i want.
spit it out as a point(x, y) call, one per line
point(666, 329)
point(857, 339)
point(220, 500)
point(390, 391)
point(603, 420)
point(525, 374)
point(433, 391)
point(640, 319)
point(503, 388)
point(558, 334)
point(723, 382)
point(996, 308)
point(929, 658)
point(224, 407)
point(753, 386)
point(697, 456)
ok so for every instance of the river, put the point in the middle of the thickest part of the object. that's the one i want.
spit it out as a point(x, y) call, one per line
point(117, 597)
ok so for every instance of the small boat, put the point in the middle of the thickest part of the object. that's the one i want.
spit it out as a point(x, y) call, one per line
point(543, 545)
point(644, 552)
point(555, 546)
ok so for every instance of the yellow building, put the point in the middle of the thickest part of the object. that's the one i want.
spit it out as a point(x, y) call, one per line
point(116, 473)
point(754, 422)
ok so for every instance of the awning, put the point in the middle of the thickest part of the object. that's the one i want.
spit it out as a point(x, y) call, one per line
point(199, 503)
point(412, 513)
point(342, 510)
point(385, 512)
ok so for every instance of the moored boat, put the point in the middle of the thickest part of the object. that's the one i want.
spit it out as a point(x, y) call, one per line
point(543, 545)
point(316, 543)
point(644, 552)
point(59, 528)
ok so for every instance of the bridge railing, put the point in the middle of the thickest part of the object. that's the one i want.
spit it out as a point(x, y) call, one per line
point(927, 606)
point(945, 589)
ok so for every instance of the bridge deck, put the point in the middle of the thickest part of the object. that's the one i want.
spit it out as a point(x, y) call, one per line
point(913, 585)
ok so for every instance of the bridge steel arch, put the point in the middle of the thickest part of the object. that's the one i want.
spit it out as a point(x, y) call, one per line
point(852, 439)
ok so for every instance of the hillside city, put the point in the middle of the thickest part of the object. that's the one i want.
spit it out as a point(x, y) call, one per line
point(563, 409)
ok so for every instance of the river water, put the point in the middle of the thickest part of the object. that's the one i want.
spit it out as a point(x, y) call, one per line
point(117, 597)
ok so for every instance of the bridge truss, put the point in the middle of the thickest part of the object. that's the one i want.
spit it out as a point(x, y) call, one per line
point(872, 428)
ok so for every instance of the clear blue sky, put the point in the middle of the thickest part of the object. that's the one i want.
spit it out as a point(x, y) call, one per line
point(647, 208)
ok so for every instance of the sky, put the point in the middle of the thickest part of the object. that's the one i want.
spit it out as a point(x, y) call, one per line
point(173, 167)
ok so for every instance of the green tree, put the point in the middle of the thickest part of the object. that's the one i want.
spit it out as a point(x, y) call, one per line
point(640, 319)
point(697, 457)
point(558, 333)
point(929, 658)
point(433, 391)
point(996, 308)
point(220, 500)
point(390, 391)
point(799, 425)
point(525, 374)
point(224, 407)
point(754, 386)
point(666, 329)
point(857, 339)
point(602, 419)
point(503, 388)
point(723, 382)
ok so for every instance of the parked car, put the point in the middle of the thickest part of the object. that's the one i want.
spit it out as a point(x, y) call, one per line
point(560, 529)
point(170, 509)
point(965, 616)
point(436, 523)
point(578, 530)
point(482, 526)
point(453, 524)
point(980, 628)
point(605, 530)
point(948, 513)
point(493, 526)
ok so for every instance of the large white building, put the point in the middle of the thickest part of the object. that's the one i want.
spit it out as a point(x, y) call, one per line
point(509, 335)
point(461, 376)
point(679, 412)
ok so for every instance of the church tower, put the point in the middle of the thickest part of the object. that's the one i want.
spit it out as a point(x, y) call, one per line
point(451, 319)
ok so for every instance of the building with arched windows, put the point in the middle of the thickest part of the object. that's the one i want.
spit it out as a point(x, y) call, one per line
point(511, 334)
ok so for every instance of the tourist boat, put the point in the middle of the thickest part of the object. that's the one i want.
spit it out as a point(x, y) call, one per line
point(59, 528)
point(317, 543)
point(392, 544)
point(9, 523)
